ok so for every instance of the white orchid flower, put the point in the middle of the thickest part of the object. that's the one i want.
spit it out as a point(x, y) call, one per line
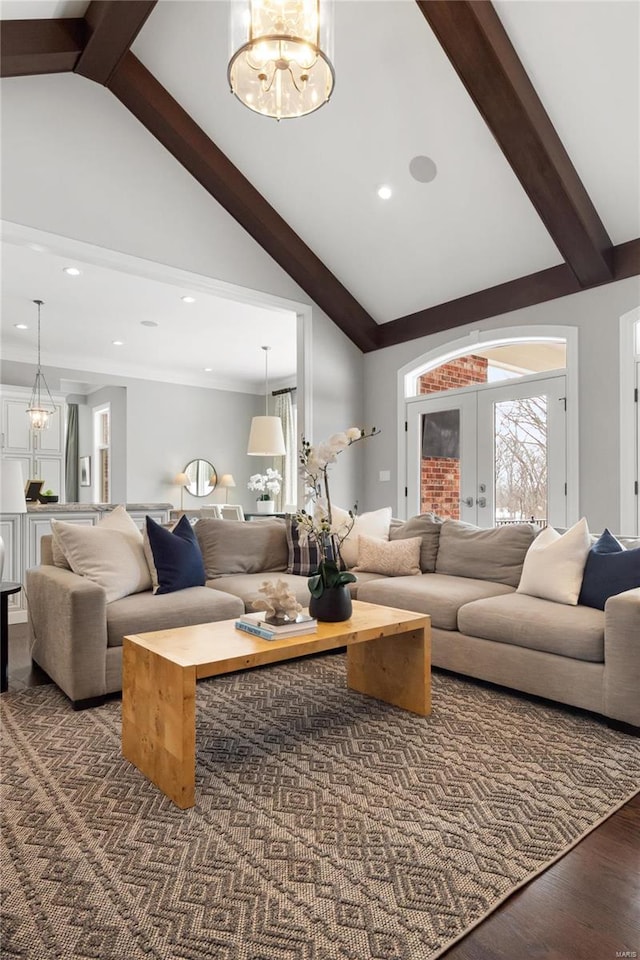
point(338, 441)
point(354, 433)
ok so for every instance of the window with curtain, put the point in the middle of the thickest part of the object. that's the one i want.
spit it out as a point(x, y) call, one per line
point(71, 454)
point(287, 465)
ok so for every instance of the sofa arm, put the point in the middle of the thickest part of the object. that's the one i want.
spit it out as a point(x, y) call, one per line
point(622, 657)
point(68, 628)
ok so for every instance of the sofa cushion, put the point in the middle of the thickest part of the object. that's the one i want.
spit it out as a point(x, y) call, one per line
point(554, 565)
point(524, 621)
point(439, 596)
point(173, 556)
point(235, 546)
point(610, 569)
point(247, 586)
point(425, 525)
point(373, 524)
point(110, 553)
point(304, 557)
point(146, 612)
point(392, 558)
point(495, 554)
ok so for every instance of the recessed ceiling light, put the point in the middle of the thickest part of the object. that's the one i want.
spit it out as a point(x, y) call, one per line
point(208, 369)
point(37, 247)
point(118, 343)
point(71, 271)
point(188, 299)
point(384, 192)
point(149, 323)
point(21, 326)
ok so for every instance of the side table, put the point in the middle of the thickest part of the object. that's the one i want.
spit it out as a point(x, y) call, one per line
point(6, 589)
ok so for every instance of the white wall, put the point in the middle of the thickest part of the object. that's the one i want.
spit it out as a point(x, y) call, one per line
point(596, 315)
point(75, 162)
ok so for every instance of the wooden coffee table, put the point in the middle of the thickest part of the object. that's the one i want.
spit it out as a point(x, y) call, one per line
point(388, 657)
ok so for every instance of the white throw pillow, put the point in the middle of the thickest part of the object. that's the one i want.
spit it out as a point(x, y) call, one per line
point(554, 564)
point(392, 558)
point(374, 524)
point(110, 553)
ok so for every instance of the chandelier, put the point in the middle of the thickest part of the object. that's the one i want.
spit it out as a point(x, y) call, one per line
point(279, 65)
point(39, 410)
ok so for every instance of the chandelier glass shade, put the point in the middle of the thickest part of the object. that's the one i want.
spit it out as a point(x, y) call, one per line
point(41, 406)
point(280, 66)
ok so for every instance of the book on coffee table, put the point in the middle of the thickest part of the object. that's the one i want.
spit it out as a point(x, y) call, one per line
point(270, 627)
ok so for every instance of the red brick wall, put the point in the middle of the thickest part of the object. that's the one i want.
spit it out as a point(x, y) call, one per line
point(440, 476)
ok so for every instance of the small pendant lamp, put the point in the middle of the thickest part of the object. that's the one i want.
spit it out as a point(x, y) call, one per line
point(266, 438)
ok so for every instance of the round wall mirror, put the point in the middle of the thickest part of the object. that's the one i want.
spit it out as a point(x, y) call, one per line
point(202, 478)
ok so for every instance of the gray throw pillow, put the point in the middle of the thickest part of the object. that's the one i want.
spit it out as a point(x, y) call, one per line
point(495, 554)
point(425, 525)
point(237, 546)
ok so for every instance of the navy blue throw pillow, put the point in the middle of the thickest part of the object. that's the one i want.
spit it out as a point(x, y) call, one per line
point(610, 569)
point(176, 555)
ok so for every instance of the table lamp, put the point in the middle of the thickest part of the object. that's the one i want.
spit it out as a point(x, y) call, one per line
point(227, 481)
point(181, 481)
point(11, 495)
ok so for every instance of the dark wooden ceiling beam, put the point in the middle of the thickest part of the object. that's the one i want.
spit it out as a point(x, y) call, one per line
point(112, 26)
point(503, 298)
point(163, 117)
point(473, 38)
point(30, 47)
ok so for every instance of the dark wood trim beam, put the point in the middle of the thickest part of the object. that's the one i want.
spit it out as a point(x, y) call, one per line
point(30, 47)
point(112, 26)
point(473, 38)
point(503, 298)
point(163, 117)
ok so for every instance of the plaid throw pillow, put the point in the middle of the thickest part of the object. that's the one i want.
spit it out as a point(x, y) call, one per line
point(303, 559)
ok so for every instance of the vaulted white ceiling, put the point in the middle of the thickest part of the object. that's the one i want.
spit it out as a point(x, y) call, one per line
point(397, 97)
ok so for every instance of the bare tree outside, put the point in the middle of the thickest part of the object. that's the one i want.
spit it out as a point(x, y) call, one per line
point(521, 459)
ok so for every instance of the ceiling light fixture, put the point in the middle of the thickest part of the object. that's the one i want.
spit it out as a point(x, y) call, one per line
point(71, 271)
point(118, 343)
point(280, 66)
point(384, 192)
point(188, 299)
point(266, 438)
point(149, 323)
point(39, 409)
point(21, 326)
point(207, 369)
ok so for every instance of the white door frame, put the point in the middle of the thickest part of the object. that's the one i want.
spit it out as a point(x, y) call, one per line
point(408, 374)
point(629, 414)
point(475, 403)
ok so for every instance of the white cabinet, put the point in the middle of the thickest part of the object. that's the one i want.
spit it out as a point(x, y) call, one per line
point(11, 533)
point(41, 453)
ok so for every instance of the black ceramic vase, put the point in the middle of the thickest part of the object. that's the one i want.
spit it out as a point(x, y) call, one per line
point(333, 605)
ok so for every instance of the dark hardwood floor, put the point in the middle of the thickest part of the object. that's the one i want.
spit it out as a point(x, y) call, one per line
point(585, 907)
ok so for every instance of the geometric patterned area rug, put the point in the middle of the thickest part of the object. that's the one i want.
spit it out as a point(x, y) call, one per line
point(327, 825)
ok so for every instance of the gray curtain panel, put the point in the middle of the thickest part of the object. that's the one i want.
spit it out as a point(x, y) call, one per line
point(71, 465)
point(287, 465)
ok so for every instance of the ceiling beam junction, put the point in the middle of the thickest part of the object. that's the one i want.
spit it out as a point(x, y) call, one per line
point(32, 47)
point(112, 26)
point(479, 49)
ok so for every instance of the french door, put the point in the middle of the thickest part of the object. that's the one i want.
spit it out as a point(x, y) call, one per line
point(490, 454)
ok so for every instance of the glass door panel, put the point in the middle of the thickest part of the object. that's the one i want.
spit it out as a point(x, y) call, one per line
point(521, 454)
point(442, 457)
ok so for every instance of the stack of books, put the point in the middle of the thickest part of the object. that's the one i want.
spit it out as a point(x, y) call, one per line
point(273, 628)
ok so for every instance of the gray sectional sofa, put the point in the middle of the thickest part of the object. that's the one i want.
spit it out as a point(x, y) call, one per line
point(481, 627)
